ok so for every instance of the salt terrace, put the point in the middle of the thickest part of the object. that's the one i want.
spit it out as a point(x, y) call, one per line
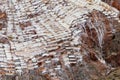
point(32, 28)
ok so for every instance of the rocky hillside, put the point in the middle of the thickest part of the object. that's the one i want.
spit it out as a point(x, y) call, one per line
point(60, 40)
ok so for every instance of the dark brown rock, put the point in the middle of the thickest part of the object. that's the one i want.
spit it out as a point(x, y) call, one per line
point(1, 26)
point(114, 60)
point(116, 4)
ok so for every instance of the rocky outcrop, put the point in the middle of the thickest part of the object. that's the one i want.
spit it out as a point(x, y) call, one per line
point(99, 36)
